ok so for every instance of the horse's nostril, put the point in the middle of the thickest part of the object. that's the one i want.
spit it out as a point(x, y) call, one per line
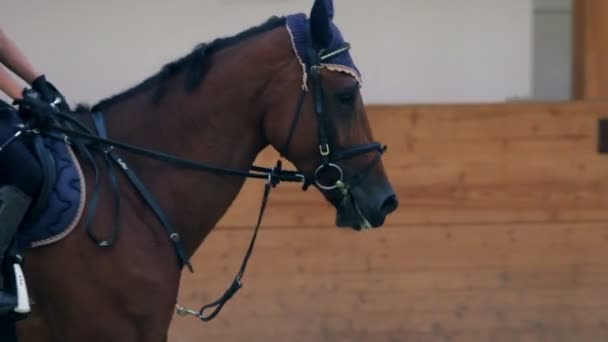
point(389, 205)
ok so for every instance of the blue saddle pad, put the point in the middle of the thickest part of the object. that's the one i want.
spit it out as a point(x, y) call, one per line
point(65, 204)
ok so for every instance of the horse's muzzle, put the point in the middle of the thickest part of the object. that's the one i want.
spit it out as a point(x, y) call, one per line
point(360, 211)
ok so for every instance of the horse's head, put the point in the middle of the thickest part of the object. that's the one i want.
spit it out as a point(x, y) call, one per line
point(323, 129)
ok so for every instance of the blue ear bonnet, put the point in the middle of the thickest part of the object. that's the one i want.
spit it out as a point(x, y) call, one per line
point(299, 26)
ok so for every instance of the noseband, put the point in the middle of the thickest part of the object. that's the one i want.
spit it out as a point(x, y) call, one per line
point(329, 154)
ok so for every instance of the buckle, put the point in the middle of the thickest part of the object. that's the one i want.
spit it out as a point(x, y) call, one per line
point(324, 150)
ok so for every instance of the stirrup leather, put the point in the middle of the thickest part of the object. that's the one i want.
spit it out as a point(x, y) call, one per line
point(14, 204)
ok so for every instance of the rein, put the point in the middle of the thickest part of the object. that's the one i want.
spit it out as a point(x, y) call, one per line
point(273, 177)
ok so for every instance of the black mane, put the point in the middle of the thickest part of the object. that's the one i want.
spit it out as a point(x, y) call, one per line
point(194, 62)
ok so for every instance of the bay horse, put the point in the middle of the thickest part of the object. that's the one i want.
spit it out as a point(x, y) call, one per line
point(289, 83)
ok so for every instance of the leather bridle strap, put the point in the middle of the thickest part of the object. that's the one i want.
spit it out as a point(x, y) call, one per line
point(362, 174)
point(237, 283)
point(324, 150)
point(258, 172)
point(294, 123)
point(351, 152)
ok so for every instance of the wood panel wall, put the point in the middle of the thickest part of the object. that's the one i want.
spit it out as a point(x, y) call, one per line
point(590, 50)
point(502, 235)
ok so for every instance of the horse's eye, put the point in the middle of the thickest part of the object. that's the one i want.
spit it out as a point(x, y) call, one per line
point(347, 97)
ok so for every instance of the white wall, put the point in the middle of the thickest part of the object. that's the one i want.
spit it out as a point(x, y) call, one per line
point(408, 50)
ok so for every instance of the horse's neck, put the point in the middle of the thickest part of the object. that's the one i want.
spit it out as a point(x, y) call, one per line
point(219, 124)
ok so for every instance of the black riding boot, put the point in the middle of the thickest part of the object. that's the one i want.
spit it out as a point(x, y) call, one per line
point(13, 206)
point(20, 179)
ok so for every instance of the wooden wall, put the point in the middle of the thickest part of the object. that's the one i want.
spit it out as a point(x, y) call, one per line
point(502, 235)
point(589, 49)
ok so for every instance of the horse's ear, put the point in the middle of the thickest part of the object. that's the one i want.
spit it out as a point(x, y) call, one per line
point(320, 22)
point(330, 8)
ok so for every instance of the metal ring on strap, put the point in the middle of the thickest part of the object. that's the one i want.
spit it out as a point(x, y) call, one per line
point(338, 181)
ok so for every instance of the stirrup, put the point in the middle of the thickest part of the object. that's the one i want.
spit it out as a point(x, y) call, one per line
point(20, 303)
point(14, 204)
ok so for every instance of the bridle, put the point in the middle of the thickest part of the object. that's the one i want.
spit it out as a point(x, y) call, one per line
point(329, 154)
point(64, 127)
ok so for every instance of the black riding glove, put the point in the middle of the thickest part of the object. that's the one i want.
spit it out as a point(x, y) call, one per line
point(49, 93)
point(34, 110)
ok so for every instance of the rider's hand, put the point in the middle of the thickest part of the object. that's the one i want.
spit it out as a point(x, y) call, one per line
point(34, 109)
point(49, 93)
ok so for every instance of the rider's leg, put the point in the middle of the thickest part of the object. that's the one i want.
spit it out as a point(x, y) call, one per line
point(20, 179)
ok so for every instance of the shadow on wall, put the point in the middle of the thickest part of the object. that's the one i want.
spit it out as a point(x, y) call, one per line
point(552, 50)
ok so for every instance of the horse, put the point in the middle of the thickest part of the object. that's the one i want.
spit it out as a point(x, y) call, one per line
point(184, 141)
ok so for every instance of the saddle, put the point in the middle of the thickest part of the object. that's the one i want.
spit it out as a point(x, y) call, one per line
point(54, 210)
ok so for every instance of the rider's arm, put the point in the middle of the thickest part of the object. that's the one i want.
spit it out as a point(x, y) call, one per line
point(14, 59)
point(9, 85)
